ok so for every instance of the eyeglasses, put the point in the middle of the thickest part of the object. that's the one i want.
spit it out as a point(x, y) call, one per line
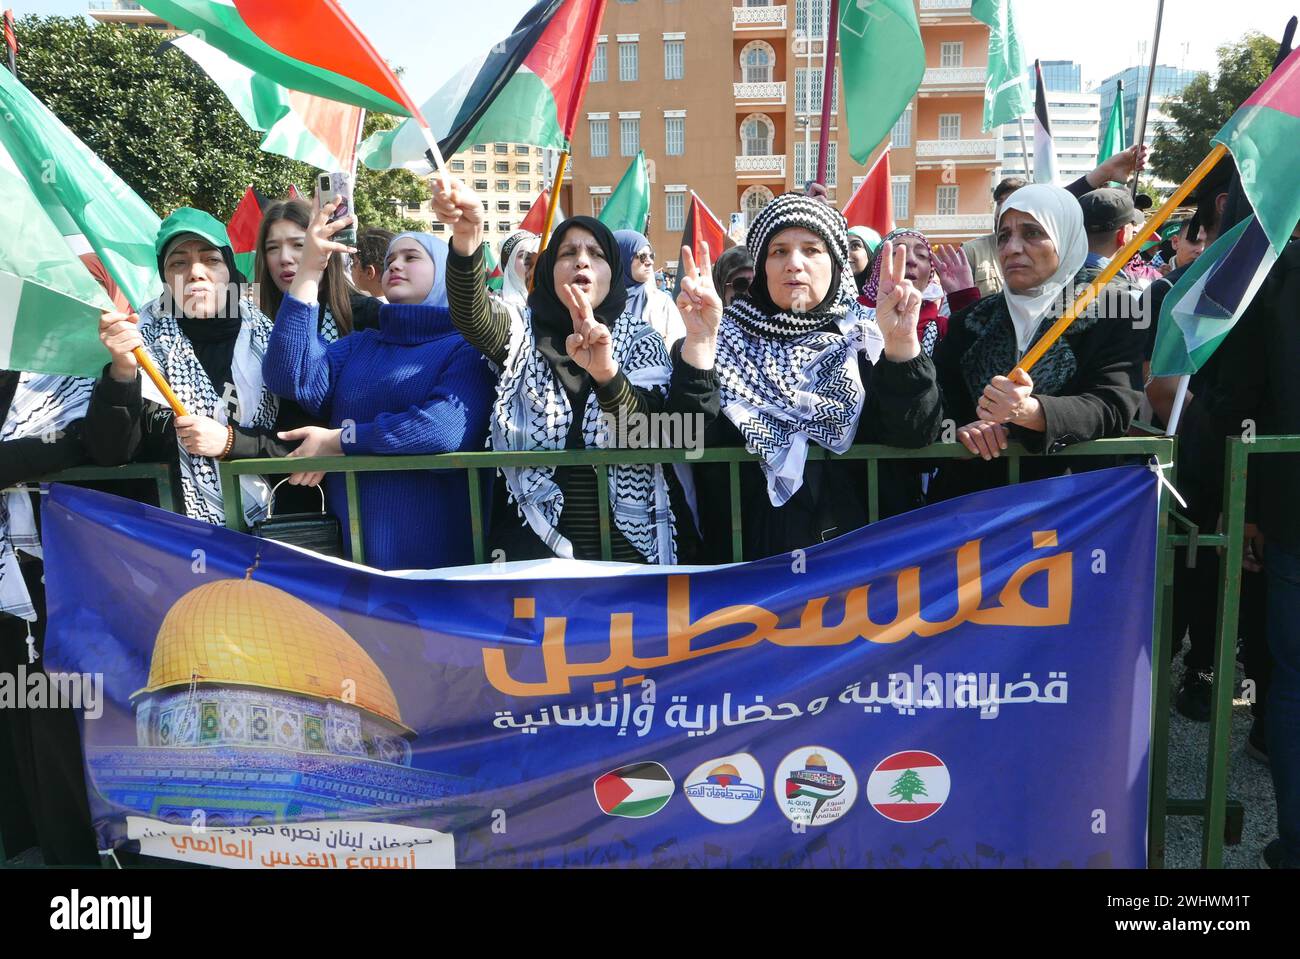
point(647, 258)
point(740, 284)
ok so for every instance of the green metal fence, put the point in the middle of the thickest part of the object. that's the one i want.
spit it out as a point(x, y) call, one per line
point(159, 473)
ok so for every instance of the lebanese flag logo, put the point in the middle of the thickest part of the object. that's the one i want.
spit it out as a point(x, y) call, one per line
point(909, 786)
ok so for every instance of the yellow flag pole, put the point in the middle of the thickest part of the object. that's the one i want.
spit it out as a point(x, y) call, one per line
point(552, 205)
point(152, 371)
point(1120, 259)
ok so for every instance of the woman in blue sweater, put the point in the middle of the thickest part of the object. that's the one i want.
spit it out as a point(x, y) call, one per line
point(413, 386)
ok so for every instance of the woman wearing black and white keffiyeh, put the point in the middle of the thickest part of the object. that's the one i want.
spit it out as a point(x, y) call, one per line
point(568, 362)
point(209, 342)
point(795, 358)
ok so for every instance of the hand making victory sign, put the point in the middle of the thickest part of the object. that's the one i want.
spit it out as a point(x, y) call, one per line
point(590, 344)
point(898, 306)
point(701, 309)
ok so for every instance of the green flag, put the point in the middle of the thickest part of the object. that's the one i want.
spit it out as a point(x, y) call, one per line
point(629, 204)
point(49, 302)
point(119, 226)
point(1006, 92)
point(883, 60)
point(1112, 141)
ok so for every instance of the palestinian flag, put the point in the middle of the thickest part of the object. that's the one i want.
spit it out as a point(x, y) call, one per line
point(297, 125)
point(909, 786)
point(49, 301)
point(496, 279)
point(118, 225)
point(243, 227)
point(526, 89)
point(872, 205)
point(306, 45)
point(635, 791)
point(701, 227)
point(536, 218)
point(1262, 135)
point(1044, 145)
point(1208, 300)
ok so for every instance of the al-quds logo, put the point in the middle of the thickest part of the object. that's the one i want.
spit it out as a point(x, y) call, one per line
point(726, 790)
point(819, 786)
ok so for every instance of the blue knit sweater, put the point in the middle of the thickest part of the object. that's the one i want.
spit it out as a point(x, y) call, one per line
point(413, 386)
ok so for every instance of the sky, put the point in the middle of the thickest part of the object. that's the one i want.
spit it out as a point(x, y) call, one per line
point(1105, 36)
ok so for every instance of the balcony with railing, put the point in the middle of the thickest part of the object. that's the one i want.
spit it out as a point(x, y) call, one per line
point(745, 19)
point(965, 79)
point(945, 8)
point(756, 93)
point(769, 165)
point(965, 223)
point(959, 151)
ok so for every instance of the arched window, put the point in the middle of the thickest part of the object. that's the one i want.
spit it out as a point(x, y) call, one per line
point(752, 202)
point(757, 134)
point(756, 62)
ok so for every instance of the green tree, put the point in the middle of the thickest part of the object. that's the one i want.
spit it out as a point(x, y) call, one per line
point(166, 129)
point(1206, 104)
point(908, 785)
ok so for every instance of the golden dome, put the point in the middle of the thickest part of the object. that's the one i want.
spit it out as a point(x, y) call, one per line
point(244, 633)
point(816, 759)
point(726, 769)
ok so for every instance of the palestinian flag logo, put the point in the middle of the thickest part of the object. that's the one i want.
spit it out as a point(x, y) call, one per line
point(635, 791)
point(909, 786)
point(819, 786)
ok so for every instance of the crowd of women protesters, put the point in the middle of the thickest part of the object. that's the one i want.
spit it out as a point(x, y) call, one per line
point(809, 335)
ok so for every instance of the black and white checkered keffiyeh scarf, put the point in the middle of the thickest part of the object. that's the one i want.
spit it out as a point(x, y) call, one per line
point(329, 327)
point(174, 354)
point(532, 412)
point(43, 405)
point(788, 378)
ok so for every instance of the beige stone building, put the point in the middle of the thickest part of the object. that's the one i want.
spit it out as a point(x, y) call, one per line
point(725, 98)
point(129, 15)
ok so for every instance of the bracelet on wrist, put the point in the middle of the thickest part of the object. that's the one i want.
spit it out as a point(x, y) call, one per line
point(230, 442)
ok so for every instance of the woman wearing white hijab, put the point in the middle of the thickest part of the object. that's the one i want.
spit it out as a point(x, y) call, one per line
point(1087, 385)
point(517, 254)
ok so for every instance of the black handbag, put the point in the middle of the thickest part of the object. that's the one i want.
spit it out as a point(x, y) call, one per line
point(318, 532)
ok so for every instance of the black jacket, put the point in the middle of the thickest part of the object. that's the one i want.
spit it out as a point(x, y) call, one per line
point(1099, 400)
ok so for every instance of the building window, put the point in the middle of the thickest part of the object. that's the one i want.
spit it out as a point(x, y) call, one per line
point(413, 205)
point(480, 148)
point(500, 148)
point(521, 168)
point(628, 65)
point(525, 205)
point(753, 201)
point(480, 185)
point(675, 212)
point(501, 166)
point(949, 126)
point(810, 17)
point(503, 186)
point(950, 53)
point(521, 150)
point(757, 135)
point(629, 136)
point(805, 164)
point(503, 226)
point(756, 62)
point(674, 59)
point(524, 186)
point(599, 137)
point(598, 201)
point(458, 166)
point(902, 190)
point(902, 134)
point(808, 86)
point(437, 227)
point(503, 206)
point(480, 166)
point(946, 201)
point(674, 136)
point(599, 68)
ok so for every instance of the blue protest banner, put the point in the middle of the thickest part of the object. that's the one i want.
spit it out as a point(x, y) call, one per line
point(964, 685)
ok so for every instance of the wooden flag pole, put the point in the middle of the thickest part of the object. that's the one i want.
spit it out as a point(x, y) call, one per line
point(553, 203)
point(1120, 259)
point(828, 88)
point(1140, 130)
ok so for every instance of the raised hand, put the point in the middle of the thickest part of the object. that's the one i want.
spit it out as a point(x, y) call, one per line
point(317, 249)
point(456, 205)
point(120, 335)
point(701, 309)
point(590, 344)
point(898, 305)
point(953, 269)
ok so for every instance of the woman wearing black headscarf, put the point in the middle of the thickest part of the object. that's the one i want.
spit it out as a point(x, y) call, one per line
point(795, 361)
point(575, 348)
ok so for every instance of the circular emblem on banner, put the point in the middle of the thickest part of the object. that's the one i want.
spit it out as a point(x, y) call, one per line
point(726, 790)
point(908, 786)
point(814, 786)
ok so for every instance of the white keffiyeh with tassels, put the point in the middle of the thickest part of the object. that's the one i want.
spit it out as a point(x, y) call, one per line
point(532, 412)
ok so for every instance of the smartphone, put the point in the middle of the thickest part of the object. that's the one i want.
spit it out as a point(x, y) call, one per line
point(338, 186)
